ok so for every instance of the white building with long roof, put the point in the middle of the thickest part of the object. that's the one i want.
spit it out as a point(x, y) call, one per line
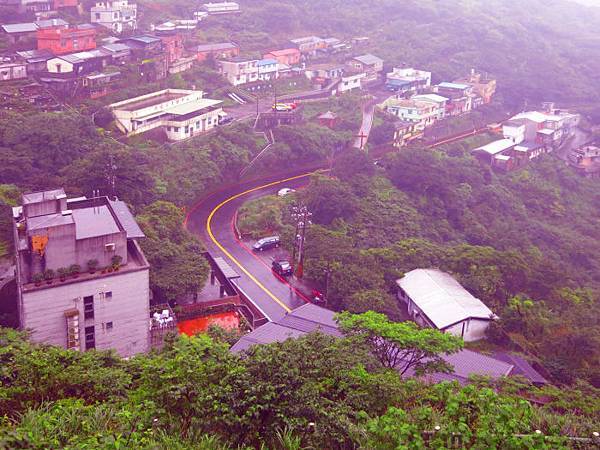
point(435, 299)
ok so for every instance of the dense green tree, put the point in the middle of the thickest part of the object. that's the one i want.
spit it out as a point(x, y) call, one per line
point(178, 267)
point(401, 345)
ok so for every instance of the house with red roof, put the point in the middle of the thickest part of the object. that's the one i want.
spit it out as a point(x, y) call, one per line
point(288, 56)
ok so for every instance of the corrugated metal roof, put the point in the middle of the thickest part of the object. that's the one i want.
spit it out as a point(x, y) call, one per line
point(496, 147)
point(116, 47)
point(431, 98)
point(369, 59)
point(190, 107)
point(441, 298)
point(37, 197)
point(29, 27)
point(266, 62)
point(48, 221)
point(51, 23)
point(459, 86)
point(214, 47)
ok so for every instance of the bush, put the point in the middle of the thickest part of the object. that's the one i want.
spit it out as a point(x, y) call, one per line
point(75, 269)
point(92, 265)
point(116, 260)
point(48, 274)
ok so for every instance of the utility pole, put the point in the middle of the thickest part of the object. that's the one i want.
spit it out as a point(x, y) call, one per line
point(301, 214)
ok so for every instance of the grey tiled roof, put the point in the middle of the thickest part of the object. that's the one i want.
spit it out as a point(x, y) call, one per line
point(267, 334)
point(521, 367)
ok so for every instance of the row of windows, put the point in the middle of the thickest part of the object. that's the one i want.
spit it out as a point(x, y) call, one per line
point(88, 304)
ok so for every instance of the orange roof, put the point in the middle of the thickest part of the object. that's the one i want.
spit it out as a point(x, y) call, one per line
point(287, 51)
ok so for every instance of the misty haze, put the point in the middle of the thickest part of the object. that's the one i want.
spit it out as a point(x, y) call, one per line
point(286, 225)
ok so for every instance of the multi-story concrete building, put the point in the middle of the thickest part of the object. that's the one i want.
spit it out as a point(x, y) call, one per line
point(82, 279)
point(288, 56)
point(437, 100)
point(422, 114)
point(239, 70)
point(180, 113)
point(308, 45)
point(61, 40)
point(221, 8)
point(483, 85)
point(407, 80)
point(370, 64)
point(268, 69)
point(116, 15)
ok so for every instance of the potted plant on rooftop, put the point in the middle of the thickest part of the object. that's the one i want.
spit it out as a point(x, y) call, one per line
point(75, 270)
point(37, 278)
point(48, 276)
point(62, 273)
point(92, 265)
point(116, 262)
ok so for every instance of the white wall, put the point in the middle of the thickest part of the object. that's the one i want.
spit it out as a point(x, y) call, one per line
point(55, 64)
point(473, 329)
point(128, 309)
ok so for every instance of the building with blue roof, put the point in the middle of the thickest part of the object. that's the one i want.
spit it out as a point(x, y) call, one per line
point(268, 69)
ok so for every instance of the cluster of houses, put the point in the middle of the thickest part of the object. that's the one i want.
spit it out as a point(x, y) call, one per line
point(295, 60)
point(65, 60)
point(527, 135)
point(418, 104)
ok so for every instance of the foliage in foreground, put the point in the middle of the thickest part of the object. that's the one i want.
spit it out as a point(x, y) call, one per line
point(316, 391)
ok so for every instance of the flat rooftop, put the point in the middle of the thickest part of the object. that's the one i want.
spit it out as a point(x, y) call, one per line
point(152, 101)
point(94, 222)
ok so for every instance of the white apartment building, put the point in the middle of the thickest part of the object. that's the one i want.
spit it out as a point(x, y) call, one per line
point(180, 113)
point(221, 7)
point(422, 114)
point(405, 80)
point(350, 81)
point(116, 15)
point(75, 307)
point(239, 70)
point(268, 69)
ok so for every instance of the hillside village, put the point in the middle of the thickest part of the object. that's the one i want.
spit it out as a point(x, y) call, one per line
point(391, 249)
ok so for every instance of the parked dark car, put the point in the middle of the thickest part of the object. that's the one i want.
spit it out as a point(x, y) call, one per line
point(283, 268)
point(266, 243)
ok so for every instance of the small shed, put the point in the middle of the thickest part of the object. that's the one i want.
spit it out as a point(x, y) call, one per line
point(328, 119)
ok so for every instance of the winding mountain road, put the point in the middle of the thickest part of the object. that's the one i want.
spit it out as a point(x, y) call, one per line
point(212, 220)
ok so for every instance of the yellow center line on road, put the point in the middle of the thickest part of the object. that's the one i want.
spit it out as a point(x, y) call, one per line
point(229, 255)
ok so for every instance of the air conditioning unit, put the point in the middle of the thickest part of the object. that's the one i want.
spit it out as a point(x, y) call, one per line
point(109, 247)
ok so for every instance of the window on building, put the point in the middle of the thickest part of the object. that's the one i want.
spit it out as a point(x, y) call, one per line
point(187, 129)
point(75, 43)
point(58, 68)
point(109, 326)
point(90, 338)
point(176, 129)
point(108, 295)
point(88, 307)
point(97, 16)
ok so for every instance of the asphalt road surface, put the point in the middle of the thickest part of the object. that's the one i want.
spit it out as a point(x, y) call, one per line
point(212, 220)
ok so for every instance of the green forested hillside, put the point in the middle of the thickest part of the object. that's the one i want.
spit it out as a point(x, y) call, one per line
point(527, 243)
